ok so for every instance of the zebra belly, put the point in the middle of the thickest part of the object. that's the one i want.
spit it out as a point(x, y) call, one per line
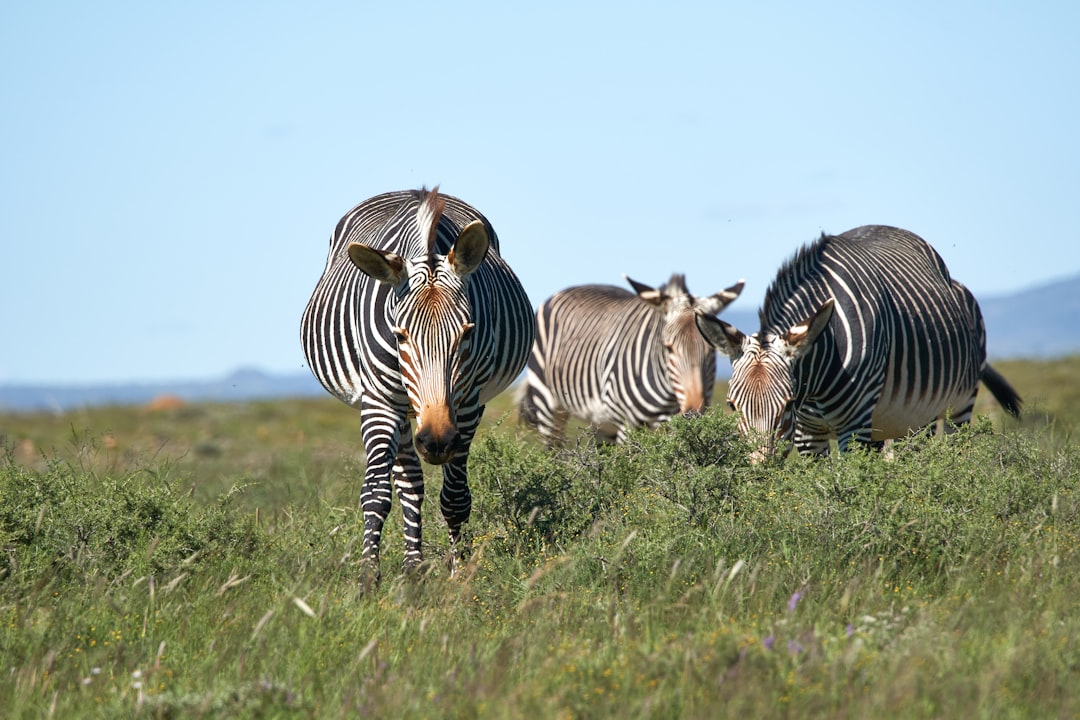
point(583, 401)
point(596, 411)
point(893, 418)
point(495, 386)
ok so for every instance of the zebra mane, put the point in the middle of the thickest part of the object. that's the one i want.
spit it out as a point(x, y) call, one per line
point(677, 284)
point(428, 215)
point(804, 265)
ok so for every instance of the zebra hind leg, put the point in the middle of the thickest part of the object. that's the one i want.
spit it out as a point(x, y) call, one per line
point(528, 409)
point(951, 422)
point(538, 408)
point(610, 434)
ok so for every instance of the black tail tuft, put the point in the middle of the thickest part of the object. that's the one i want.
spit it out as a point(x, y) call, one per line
point(1002, 391)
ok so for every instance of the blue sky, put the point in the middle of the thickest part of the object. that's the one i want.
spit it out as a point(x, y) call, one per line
point(172, 171)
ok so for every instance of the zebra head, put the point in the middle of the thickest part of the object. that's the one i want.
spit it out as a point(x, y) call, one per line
point(690, 361)
point(762, 387)
point(432, 324)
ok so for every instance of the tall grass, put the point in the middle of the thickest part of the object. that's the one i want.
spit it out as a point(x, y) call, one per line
point(204, 562)
point(664, 578)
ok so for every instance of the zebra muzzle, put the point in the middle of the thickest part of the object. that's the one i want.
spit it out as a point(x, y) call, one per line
point(692, 401)
point(437, 440)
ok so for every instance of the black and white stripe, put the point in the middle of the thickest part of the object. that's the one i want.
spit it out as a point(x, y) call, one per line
point(863, 336)
point(418, 316)
point(617, 359)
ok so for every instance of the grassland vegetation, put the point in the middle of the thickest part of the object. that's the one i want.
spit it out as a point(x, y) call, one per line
point(203, 562)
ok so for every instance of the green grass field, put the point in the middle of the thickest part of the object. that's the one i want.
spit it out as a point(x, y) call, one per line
point(203, 561)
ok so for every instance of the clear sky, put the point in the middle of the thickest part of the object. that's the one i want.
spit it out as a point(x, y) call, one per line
point(171, 172)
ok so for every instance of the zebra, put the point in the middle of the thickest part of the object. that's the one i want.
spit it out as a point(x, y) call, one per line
point(864, 336)
point(416, 315)
point(617, 359)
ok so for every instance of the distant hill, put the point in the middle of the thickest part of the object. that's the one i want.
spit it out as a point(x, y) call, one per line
point(242, 385)
point(1036, 323)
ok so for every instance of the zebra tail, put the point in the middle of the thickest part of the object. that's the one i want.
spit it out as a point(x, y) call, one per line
point(1002, 391)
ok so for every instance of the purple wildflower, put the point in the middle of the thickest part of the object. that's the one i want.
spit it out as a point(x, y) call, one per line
point(794, 601)
point(769, 642)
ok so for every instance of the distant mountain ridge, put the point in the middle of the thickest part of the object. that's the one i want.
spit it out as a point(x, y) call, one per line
point(1036, 323)
point(241, 385)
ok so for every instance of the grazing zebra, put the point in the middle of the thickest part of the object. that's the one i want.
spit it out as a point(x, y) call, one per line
point(416, 315)
point(864, 336)
point(618, 359)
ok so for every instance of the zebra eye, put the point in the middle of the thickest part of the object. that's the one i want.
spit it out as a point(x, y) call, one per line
point(400, 335)
point(464, 340)
point(731, 406)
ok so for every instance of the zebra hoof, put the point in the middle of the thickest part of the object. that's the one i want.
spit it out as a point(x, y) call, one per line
point(454, 564)
point(411, 564)
point(459, 559)
point(370, 577)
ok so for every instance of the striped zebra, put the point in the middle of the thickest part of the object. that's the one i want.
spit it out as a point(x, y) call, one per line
point(864, 336)
point(617, 359)
point(416, 315)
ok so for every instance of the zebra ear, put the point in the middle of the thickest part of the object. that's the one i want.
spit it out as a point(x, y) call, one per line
point(722, 336)
point(646, 293)
point(470, 249)
point(715, 303)
point(382, 265)
point(800, 337)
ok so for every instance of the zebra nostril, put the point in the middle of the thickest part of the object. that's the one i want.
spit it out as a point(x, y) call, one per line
point(437, 448)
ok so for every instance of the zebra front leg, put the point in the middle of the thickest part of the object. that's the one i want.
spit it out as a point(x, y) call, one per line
point(375, 499)
point(815, 442)
point(455, 501)
point(862, 436)
point(380, 442)
point(409, 482)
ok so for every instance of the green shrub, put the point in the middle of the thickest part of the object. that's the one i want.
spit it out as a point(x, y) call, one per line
point(664, 577)
point(72, 524)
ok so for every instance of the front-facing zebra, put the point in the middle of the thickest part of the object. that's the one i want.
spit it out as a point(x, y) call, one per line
point(617, 359)
point(416, 315)
point(864, 336)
